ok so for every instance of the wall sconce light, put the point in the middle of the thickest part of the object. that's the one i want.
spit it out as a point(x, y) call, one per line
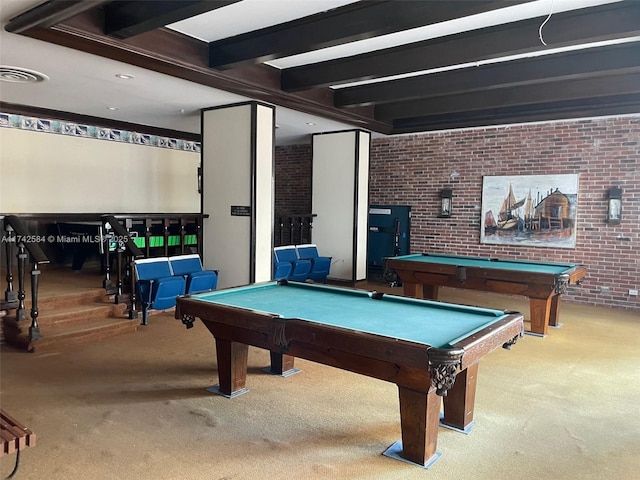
point(614, 213)
point(446, 202)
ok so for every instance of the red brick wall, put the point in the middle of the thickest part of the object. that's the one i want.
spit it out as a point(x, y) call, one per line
point(293, 180)
point(411, 170)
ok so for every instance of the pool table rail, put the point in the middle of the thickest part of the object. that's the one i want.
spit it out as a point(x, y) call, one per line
point(503, 333)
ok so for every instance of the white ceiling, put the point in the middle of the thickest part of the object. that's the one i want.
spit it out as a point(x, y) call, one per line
point(87, 84)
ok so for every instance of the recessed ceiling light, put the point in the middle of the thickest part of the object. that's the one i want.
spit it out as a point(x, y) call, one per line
point(20, 75)
point(124, 76)
point(311, 123)
point(112, 108)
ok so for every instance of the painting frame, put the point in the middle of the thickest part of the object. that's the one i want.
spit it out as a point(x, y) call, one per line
point(529, 210)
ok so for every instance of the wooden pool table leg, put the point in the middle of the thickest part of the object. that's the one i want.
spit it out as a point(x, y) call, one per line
point(412, 289)
point(460, 400)
point(540, 310)
point(419, 418)
point(554, 314)
point(282, 364)
point(232, 366)
point(420, 290)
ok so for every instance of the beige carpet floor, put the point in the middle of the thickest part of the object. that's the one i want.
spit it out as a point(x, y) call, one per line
point(566, 406)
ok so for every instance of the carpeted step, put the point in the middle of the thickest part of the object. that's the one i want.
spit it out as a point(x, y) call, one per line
point(79, 298)
point(78, 314)
point(55, 337)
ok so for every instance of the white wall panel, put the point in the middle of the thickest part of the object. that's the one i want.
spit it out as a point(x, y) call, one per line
point(362, 221)
point(265, 198)
point(237, 157)
point(339, 199)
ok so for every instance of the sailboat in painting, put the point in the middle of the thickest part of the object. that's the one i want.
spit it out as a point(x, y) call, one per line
point(509, 216)
point(490, 225)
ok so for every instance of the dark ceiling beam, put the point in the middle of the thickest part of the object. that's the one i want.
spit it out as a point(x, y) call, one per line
point(357, 21)
point(50, 13)
point(124, 19)
point(616, 20)
point(571, 109)
point(171, 53)
point(573, 64)
point(610, 84)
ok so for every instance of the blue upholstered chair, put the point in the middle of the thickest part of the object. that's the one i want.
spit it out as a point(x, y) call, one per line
point(287, 265)
point(282, 270)
point(197, 278)
point(156, 286)
point(320, 265)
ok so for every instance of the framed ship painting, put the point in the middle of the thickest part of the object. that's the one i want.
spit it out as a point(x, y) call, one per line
point(530, 210)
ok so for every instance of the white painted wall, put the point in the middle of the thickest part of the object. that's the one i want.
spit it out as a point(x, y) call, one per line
point(51, 173)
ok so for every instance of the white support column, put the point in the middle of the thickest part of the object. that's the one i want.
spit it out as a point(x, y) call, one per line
point(238, 191)
point(340, 197)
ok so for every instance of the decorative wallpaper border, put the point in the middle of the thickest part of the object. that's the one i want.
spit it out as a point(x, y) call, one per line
point(59, 127)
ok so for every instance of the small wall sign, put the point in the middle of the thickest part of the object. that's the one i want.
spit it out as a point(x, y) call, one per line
point(240, 211)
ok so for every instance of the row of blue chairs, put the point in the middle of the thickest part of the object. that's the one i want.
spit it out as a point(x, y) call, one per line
point(160, 280)
point(300, 263)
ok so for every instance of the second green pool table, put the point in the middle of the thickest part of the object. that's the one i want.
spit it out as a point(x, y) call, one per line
point(542, 282)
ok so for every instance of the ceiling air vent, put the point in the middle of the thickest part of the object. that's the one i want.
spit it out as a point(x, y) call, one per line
point(20, 75)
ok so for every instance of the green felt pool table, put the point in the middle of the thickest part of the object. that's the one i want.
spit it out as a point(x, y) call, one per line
point(542, 282)
point(429, 349)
